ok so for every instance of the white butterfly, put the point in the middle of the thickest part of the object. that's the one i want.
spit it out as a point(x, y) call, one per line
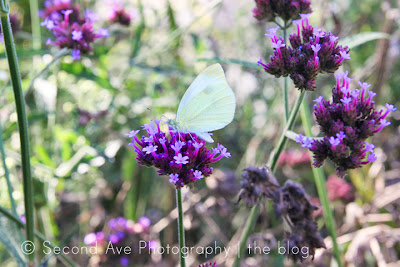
point(208, 104)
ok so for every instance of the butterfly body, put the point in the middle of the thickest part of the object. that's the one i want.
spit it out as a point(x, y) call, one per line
point(208, 104)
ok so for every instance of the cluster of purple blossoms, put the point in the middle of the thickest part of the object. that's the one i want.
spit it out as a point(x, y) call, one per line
point(346, 122)
point(118, 13)
point(183, 156)
point(312, 51)
point(71, 29)
point(290, 202)
point(287, 10)
point(121, 233)
point(15, 25)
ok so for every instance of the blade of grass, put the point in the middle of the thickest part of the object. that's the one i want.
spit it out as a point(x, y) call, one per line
point(23, 127)
point(35, 24)
point(319, 178)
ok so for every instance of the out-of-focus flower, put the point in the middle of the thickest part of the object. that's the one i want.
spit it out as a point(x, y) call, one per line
point(55, 11)
point(338, 188)
point(84, 116)
point(294, 157)
point(70, 29)
point(183, 156)
point(118, 13)
point(258, 184)
point(346, 122)
point(94, 238)
point(295, 204)
point(287, 10)
point(121, 233)
point(290, 202)
point(15, 25)
point(312, 51)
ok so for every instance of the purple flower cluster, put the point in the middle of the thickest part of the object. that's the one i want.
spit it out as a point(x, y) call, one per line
point(290, 202)
point(71, 29)
point(346, 122)
point(312, 51)
point(183, 156)
point(118, 13)
point(287, 10)
point(121, 233)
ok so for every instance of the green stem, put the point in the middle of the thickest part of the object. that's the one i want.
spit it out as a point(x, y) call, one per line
point(23, 127)
point(181, 230)
point(249, 226)
point(285, 80)
point(319, 178)
point(273, 163)
point(42, 238)
point(282, 141)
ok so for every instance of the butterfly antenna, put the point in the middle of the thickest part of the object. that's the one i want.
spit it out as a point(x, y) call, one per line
point(191, 136)
point(162, 116)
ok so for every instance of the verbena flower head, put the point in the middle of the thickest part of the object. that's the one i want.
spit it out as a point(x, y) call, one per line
point(118, 13)
point(183, 157)
point(290, 202)
point(311, 51)
point(55, 11)
point(70, 29)
point(296, 206)
point(258, 185)
point(346, 122)
point(287, 10)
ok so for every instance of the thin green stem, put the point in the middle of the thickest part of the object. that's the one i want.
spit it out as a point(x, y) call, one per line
point(23, 127)
point(282, 141)
point(42, 238)
point(272, 164)
point(319, 178)
point(285, 81)
point(181, 230)
point(248, 228)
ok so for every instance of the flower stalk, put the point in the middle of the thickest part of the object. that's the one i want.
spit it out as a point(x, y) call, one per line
point(285, 80)
point(272, 163)
point(22, 122)
point(181, 230)
point(319, 179)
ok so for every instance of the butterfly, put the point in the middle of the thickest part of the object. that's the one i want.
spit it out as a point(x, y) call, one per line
point(208, 105)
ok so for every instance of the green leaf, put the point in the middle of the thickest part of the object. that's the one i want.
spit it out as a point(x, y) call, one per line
point(362, 38)
point(246, 64)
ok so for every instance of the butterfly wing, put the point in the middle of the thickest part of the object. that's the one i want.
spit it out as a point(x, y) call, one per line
point(208, 104)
